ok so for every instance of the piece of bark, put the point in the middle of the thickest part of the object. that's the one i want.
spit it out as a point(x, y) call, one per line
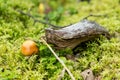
point(88, 75)
point(73, 35)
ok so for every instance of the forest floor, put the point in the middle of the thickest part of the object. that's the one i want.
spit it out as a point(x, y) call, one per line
point(100, 55)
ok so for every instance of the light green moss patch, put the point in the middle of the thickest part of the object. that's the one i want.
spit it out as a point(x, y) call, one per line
point(101, 55)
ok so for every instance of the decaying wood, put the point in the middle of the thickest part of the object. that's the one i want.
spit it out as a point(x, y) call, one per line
point(73, 35)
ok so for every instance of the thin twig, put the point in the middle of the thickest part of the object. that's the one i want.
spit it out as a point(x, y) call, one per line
point(92, 15)
point(72, 77)
point(61, 74)
point(36, 20)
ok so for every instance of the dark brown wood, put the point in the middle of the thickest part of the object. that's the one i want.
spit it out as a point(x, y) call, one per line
point(73, 35)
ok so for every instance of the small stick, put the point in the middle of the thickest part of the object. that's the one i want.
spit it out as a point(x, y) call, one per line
point(92, 15)
point(58, 59)
point(36, 20)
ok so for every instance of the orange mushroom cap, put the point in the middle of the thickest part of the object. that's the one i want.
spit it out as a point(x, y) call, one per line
point(29, 48)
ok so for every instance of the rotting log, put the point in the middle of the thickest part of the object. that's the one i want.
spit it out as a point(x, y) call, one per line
point(73, 35)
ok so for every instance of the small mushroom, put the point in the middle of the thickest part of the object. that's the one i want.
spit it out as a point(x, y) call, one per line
point(29, 48)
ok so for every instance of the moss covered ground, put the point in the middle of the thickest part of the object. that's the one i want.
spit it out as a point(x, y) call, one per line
point(100, 55)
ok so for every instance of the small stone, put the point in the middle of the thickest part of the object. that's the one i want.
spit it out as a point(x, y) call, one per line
point(88, 75)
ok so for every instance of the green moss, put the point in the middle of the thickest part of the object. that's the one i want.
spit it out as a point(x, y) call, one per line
point(101, 55)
